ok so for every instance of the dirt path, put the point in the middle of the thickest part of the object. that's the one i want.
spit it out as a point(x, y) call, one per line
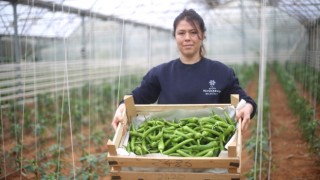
point(290, 156)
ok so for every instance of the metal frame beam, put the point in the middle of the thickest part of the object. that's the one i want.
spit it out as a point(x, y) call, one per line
point(51, 6)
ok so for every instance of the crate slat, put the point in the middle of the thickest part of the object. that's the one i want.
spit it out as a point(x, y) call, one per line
point(131, 175)
point(174, 162)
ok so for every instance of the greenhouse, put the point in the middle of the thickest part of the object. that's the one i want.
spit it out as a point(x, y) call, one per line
point(66, 67)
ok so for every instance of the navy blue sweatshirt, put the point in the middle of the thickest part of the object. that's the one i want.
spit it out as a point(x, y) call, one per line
point(204, 82)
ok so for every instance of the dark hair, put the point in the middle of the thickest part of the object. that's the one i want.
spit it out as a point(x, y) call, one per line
point(194, 19)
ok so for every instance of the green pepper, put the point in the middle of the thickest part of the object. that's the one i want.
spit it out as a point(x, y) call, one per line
point(219, 118)
point(160, 122)
point(134, 133)
point(222, 124)
point(190, 119)
point(138, 150)
point(157, 137)
point(206, 146)
point(169, 128)
point(209, 153)
point(207, 120)
point(230, 121)
point(151, 122)
point(177, 138)
point(186, 136)
point(174, 154)
point(171, 124)
point(205, 134)
point(167, 142)
point(142, 127)
point(161, 145)
point(154, 144)
point(228, 131)
point(221, 143)
point(144, 146)
point(192, 125)
point(168, 135)
point(183, 153)
point(182, 122)
point(150, 130)
point(202, 153)
point(219, 129)
point(209, 126)
point(198, 128)
point(132, 143)
point(197, 135)
point(210, 138)
point(174, 148)
point(213, 132)
point(128, 148)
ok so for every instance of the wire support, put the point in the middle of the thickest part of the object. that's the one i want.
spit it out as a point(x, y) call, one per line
point(69, 107)
point(262, 72)
point(3, 146)
point(121, 60)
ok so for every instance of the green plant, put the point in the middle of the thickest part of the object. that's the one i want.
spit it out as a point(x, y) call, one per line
point(93, 166)
point(31, 166)
point(98, 137)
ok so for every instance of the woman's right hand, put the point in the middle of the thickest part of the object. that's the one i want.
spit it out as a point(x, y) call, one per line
point(118, 116)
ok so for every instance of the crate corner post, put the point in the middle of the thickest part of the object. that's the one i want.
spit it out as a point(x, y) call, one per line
point(234, 98)
point(130, 108)
point(111, 148)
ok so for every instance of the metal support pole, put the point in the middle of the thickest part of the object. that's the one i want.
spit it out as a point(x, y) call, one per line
point(275, 43)
point(243, 34)
point(262, 74)
point(83, 38)
point(16, 48)
point(84, 55)
point(16, 36)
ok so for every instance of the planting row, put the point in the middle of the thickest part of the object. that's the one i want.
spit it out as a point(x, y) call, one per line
point(300, 105)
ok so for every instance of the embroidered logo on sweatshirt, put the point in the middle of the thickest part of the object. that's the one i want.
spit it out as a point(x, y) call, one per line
point(212, 90)
point(212, 82)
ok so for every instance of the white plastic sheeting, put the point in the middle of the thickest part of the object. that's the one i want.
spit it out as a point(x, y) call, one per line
point(54, 18)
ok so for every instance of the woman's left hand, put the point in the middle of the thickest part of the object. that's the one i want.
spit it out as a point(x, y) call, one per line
point(244, 116)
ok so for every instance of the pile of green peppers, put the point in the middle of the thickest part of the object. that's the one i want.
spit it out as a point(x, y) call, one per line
point(186, 137)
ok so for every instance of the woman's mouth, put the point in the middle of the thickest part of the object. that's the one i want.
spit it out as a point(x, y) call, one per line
point(187, 46)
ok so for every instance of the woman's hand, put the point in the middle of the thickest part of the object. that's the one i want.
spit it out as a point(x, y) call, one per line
point(118, 116)
point(243, 115)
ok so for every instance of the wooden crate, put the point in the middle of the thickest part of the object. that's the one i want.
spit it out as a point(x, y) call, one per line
point(179, 166)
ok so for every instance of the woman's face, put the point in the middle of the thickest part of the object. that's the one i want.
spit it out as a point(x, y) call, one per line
point(189, 40)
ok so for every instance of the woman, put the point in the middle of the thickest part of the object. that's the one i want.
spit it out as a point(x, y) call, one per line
point(192, 78)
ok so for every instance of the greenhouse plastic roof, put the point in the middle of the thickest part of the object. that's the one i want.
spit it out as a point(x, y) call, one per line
point(59, 18)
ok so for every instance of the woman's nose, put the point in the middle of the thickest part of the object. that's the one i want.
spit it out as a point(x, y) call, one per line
point(187, 36)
